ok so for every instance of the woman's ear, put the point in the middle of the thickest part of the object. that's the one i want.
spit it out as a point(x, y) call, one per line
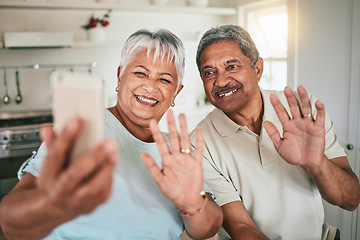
point(118, 74)
point(177, 92)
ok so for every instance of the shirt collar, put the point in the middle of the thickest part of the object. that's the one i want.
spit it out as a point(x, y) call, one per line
point(269, 111)
point(226, 127)
point(222, 123)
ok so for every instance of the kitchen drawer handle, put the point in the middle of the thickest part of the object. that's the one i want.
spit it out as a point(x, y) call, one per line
point(20, 147)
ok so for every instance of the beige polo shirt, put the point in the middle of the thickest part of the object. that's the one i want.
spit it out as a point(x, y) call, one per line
point(282, 200)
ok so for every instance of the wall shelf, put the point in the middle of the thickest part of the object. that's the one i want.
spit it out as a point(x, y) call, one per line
point(106, 44)
point(90, 44)
point(114, 6)
point(111, 44)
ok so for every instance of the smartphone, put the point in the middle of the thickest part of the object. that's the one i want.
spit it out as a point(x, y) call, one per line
point(79, 94)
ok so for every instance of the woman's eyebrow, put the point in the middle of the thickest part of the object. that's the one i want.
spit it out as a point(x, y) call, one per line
point(141, 66)
point(163, 73)
point(166, 73)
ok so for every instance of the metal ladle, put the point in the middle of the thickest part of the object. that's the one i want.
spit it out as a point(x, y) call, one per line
point(6, 99)
point(18, 98)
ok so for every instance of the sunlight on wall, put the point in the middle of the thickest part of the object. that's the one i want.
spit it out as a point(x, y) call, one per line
point(267, 23)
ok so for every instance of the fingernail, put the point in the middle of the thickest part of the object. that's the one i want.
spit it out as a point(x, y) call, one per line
point(71, 125)
point(111, 146)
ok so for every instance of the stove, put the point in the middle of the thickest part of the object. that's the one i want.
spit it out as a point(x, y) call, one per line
point(19, 138)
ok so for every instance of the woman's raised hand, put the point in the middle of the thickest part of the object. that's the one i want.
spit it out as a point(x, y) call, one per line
point(181, 176)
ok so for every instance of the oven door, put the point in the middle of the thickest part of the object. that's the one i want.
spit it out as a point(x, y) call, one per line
point(8, 173)
point(15, 148)
point(19, 138)
point(18, 150)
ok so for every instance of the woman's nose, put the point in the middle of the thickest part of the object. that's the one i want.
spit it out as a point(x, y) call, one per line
point(150, 85)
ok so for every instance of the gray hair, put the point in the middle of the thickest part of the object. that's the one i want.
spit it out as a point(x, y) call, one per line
point(229, 32)
point(162, 42)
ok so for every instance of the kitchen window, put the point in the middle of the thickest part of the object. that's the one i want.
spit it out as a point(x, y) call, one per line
point(267, 23)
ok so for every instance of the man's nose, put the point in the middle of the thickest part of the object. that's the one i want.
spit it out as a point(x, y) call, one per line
point(222, 79)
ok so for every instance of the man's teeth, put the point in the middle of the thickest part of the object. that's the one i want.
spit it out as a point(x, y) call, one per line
point(146, 100)
point(228, 93)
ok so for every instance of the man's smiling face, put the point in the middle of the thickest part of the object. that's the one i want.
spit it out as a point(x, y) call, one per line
point(229, 80)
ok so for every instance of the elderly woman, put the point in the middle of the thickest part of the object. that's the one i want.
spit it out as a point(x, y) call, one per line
point(99, 197)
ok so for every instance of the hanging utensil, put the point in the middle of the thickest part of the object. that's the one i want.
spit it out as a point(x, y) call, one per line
point(18, 98)
point(6, 99)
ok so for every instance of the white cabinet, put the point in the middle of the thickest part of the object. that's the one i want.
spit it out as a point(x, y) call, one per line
point(53, 15)
point(116, 7)
point(187, 22)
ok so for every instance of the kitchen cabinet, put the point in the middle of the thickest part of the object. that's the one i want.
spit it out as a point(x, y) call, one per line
point(124, 19)
point(187, 22)
point(116, 7)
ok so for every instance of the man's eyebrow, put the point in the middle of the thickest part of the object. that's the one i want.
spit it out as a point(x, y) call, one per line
point(232, 61)
point(205, 67)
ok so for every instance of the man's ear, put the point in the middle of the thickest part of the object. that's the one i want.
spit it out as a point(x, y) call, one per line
point(259, 67)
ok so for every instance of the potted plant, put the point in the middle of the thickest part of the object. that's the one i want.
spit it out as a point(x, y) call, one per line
point(96, 27)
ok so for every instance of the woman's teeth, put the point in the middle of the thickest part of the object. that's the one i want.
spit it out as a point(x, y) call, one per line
point(228, 93)
point(146, 100)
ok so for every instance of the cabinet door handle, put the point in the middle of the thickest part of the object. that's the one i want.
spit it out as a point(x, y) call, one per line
point(350, 146)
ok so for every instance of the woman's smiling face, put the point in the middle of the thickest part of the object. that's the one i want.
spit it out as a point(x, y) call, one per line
point(147, 87)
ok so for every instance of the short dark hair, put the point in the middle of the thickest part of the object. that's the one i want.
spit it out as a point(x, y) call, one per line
point(229, 32)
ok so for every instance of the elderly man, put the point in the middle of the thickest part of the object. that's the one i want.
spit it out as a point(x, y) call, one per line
point(270, 156)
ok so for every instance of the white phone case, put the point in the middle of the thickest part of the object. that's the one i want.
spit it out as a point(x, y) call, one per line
point(79, 94)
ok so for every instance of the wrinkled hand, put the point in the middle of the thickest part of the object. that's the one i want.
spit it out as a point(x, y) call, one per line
point(303, 139)
point(80, 186)
point(181, 176)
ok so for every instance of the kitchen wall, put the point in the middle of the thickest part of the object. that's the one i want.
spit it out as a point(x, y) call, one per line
point(35, 86)
point(323, 56)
